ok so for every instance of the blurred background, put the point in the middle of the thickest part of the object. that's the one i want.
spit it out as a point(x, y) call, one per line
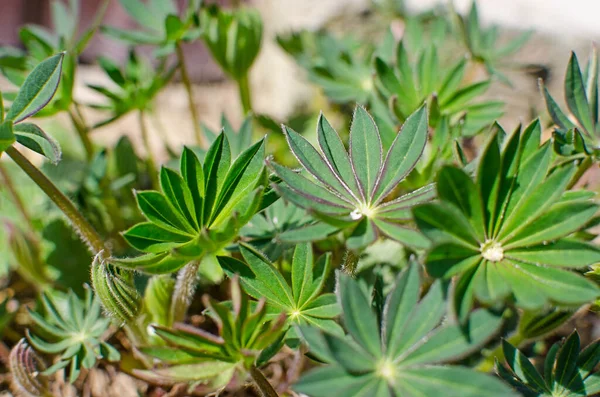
point(281, 86)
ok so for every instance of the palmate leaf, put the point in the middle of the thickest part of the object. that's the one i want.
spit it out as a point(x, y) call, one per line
point(482, 43)
point(282, 225)
point(303, 300)
point(577, 127)
point(407, 85)
point(569, 372)
point(349, 188)
point(159, 24)
point(36, 91)
point(401, 355)
point(505, 234)
point(135, 87)
point(74, 330)
point(334, 64)
point(199, 210)
point(246, 339)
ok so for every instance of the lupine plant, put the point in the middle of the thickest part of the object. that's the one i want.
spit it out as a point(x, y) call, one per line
point(410, 254)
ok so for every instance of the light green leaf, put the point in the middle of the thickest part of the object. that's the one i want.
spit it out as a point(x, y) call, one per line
point(34, 138)
point(37, 90)
point(358, 316)
point(404, 153)
point(365, 151)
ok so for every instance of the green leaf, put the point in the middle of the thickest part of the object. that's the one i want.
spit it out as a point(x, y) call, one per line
point(302, 273)
point(34, 138)
point(533, 285)
point(558, 117)
point(147, 237)
point(336, 154)
point(575, 95)
point(314, 163)
point(112, 70)
point(488, 179)
point(537, 202)
point(323, 306)
point(192, 173)
point(268, 275)
point(560, 220)
point(530, 176)
point(358, 317)
point(330, 381)
point(567, 253)
point(139, 11)
point(158, 210)
point(444, 222)
point(566, 362)
point(349, 354)
point(242, 173)
point(399, 305)
point(450, 382)
point(216, 165)
point(404, 235)
point(450, 343)
point(523, 368)
point(424, 318)
point(318, 197)
point(456, 187)
point(7, 136)
point(178, 195)
point(404, 153)
point(365, 151)
point(37, 90)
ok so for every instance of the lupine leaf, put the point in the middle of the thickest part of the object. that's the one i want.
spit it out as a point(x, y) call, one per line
point(404, 152)
point(454, 342)
point(575, 95)
point(314, 163)
point(523, 368)
point(365, 151)
point(359, 319)
point(34, 138)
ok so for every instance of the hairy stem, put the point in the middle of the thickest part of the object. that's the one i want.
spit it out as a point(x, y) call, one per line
point(150, 162)
point(80, 224)
point(245, 98)
point(350, 262)
point(82, 132)
point(261, 383)
point(184, 290)
point(12, 191)
point(185, 78)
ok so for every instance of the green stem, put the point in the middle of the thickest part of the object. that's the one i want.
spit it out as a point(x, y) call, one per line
point(12, 191)
point(183, 292)
point(80, 224)
point(150, 162)
point(487, 364)
point(185, 78)
point(82, 131)
point(581, 169)
point(245, 97)
point(262, 384)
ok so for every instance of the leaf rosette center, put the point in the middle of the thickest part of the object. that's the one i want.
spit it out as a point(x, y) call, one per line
point(492, 251)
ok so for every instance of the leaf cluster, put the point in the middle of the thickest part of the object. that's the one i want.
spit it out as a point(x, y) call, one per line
point(505, 234)
point(398, 351)
point(199, 210)
point(246, 338)
point(74, 329)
